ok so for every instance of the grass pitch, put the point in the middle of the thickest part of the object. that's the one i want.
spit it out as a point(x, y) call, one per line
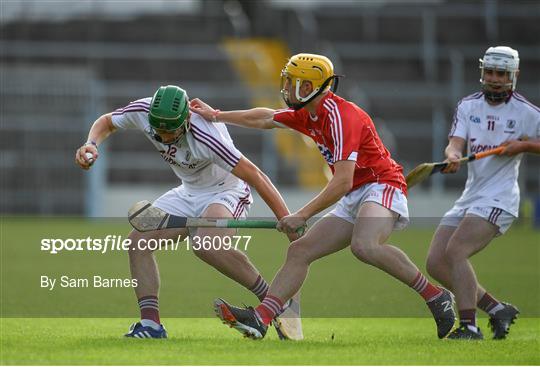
point(207, 342)
point(373, 319)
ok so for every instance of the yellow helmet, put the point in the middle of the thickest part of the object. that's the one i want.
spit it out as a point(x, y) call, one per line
point(316, 69)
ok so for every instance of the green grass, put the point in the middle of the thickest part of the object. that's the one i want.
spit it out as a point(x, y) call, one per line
point(375, 320)
point(207, 342)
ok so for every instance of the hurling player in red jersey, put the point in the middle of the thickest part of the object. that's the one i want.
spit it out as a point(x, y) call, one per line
point(367, 185)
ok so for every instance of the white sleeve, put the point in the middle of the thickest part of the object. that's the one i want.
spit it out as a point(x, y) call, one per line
point(531, 122)
point(130, 116)
point(215, 144)
point(459, 124)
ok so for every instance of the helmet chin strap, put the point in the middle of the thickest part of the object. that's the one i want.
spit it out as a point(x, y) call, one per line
point(298, 106)
point(497, 97)
point(160, 140)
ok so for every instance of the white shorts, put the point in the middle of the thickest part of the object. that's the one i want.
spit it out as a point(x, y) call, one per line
point(496, 216)
point(388, 196)
point(180, 202)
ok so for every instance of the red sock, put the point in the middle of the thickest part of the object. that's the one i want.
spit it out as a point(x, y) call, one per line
point(149, 308)
point(427, 290)
point(269, 308)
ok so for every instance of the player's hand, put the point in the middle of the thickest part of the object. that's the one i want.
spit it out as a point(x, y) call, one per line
point(203, 109)
point(86, 155)
point(291, 223)
point(513, 147)
point(293, 236)
point(453, 163)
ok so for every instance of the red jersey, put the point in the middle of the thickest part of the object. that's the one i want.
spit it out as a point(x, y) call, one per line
point(343, 131)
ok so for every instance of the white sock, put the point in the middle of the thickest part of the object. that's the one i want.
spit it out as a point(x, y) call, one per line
point(151, 323)
point(495, 309)
point(472, 328)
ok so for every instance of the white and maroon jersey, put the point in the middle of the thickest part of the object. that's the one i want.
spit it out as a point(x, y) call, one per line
point(202, 159)
point(343, 131)
point(492, 181)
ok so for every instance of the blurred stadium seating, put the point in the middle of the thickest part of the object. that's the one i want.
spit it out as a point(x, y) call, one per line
point(406, 63)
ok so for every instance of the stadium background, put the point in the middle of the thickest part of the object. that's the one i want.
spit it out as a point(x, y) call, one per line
point(407, 63)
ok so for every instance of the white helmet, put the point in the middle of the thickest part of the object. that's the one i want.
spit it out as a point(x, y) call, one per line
point(500, 58)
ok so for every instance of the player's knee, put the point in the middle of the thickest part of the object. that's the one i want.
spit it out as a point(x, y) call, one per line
point(365, 251)
point(435, 265)
point(205, 255)
point(298, 252)
point(455, 253)
point(136, 239)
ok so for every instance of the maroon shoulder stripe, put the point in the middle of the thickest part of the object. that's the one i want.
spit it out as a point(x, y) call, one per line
point(472, 96)
point(522, 99)
point(213, 148)
point(216, 143)
point(135, 109)
point(467, 98)
point(134, 104)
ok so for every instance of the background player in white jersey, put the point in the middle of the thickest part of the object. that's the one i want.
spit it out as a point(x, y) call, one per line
point(215, 178)
point(495, 116)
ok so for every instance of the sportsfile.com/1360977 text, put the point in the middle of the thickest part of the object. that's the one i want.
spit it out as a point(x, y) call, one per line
point(121, 243)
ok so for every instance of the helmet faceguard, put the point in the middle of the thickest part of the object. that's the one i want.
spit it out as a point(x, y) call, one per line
point(500, 58)
point(180, 133)
point(316, 69)
point(169, 112)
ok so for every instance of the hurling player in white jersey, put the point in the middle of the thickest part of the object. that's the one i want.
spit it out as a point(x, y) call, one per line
point(489, 204)
point(215, 178)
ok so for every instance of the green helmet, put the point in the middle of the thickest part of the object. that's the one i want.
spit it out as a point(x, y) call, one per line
point(169, 108)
